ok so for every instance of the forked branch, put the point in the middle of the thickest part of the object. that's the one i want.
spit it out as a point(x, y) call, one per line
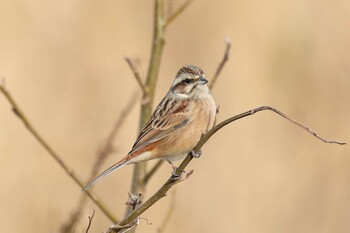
point(178, 12)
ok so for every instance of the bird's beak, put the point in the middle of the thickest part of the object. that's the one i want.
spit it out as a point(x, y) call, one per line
point(202, 80)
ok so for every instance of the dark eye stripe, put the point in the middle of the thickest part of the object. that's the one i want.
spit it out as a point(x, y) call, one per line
point(188, 81)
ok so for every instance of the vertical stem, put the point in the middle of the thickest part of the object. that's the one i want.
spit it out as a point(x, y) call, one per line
point(138, 185)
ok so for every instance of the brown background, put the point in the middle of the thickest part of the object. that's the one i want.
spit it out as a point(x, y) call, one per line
point(63, 63)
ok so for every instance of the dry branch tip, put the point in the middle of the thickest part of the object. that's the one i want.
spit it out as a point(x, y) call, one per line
point(222, 63)
point(136, 73)
point(90, 220)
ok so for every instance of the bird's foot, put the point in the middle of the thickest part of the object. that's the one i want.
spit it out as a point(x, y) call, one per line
point(174, 175)
point(196, 154)
point(178, 177)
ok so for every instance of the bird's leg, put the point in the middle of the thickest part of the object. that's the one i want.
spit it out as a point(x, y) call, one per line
point(196, 154)
point(174, 176)
point(171, 164)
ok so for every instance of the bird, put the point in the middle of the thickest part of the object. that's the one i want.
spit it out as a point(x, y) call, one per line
point(186, 112)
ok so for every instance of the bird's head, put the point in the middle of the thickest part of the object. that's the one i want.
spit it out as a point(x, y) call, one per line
point(190, 81)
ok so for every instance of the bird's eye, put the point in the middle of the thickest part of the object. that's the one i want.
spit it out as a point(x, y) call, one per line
point(187, 81)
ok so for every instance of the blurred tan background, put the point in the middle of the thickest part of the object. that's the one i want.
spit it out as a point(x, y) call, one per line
point(63, 63)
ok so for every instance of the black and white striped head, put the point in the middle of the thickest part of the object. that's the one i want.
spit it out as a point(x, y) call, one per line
point(190, 81)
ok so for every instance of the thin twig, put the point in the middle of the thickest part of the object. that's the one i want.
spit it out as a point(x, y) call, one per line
point(178, 12)
point(153, 170)
point(18, 112)
point(169, 8)
point(136, 73)
point(263, 108)
point(171, 181)
point(222, 63)
point(90, 221)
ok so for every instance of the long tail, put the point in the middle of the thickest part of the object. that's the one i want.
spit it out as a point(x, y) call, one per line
point(108, 171)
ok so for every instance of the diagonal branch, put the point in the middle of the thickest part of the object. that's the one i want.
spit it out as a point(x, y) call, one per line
point(136, 73)
point(178, 12)
point(171, 181)
point(18, 112)
point(222, 63)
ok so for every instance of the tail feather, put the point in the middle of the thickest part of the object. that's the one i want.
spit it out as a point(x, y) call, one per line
point(108, 171)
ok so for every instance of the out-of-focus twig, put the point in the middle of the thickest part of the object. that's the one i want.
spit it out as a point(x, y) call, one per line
point(222, 63)
point(153, 170)
point(136, 73)
point(178, 12)
point(90, 221)
point(74, 217)
point(171, 181)
point(107, 148)
point(18, 112)
point(102, 154)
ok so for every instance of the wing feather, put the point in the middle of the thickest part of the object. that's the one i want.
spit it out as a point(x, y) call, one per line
point(169, 116)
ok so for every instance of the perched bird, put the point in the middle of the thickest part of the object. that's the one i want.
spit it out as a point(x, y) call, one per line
point(186, 112)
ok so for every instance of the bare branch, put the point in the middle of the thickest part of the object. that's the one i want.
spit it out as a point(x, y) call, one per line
point(136, 73)
point(178, 12)
point(140, 169)
point(262, 108)
point(124, 228)
point(172, 181)
point(90, 221)
point(222, 63)
point(18, 112)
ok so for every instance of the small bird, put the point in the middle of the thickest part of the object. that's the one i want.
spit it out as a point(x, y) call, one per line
point(186, 112)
